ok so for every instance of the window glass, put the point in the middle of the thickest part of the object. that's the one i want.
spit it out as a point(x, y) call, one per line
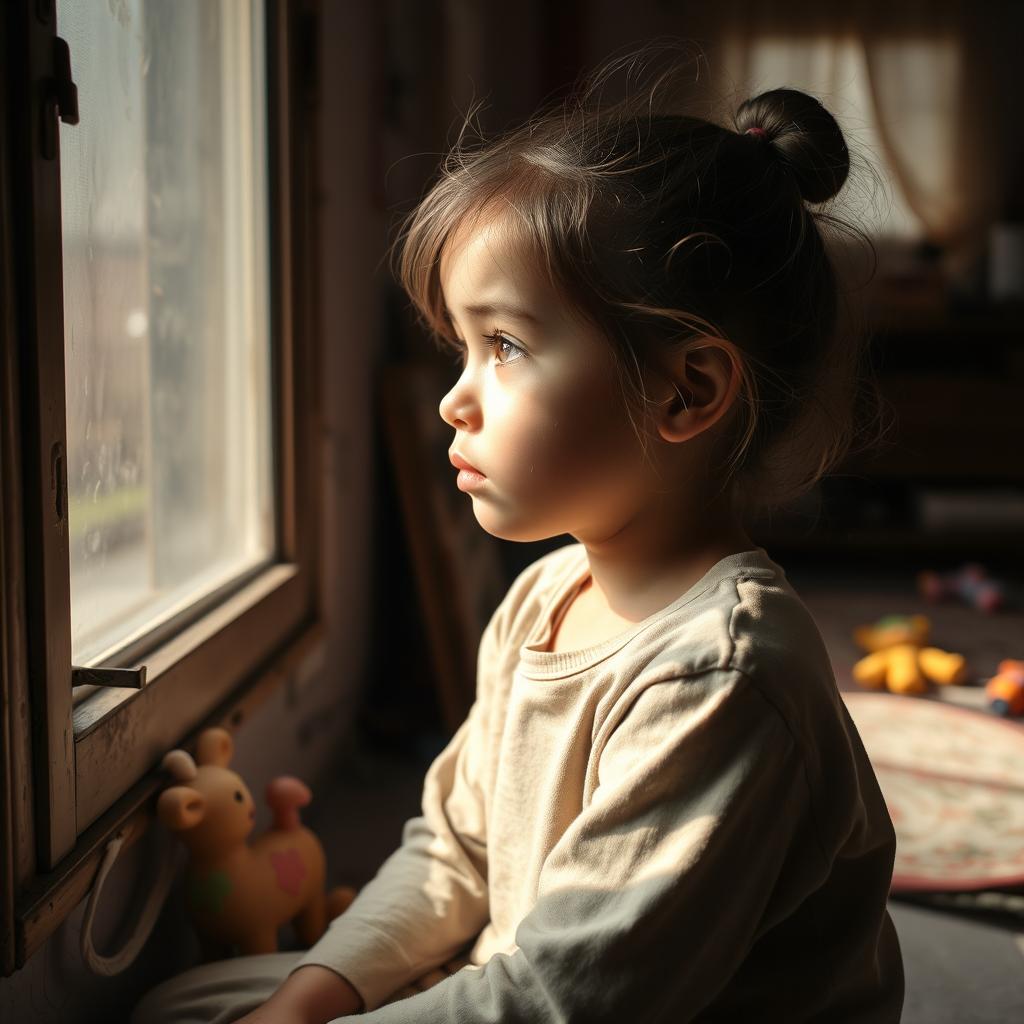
point(167, 357)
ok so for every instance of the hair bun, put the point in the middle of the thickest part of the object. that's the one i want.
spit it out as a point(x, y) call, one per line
point(805, 137)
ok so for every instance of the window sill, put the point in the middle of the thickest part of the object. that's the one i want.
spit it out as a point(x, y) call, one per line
point(51, 897)
point(104, 701)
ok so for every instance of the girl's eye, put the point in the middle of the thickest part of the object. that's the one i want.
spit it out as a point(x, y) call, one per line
point(496, 338)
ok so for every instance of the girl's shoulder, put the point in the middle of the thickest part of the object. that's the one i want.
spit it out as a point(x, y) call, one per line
point(750, 621)
point(533, 587)
point(550, 567)
point(752, 630)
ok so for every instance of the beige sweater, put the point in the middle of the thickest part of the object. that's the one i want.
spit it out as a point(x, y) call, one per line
point(678, 824)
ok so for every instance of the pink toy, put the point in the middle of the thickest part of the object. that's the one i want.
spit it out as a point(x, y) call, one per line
point(240, 893)
point(971, 584)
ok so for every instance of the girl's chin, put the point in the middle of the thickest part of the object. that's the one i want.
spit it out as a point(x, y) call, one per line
point(516, 528)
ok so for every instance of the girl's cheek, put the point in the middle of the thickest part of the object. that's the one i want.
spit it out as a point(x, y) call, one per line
point(559, 415)
point(573, 448)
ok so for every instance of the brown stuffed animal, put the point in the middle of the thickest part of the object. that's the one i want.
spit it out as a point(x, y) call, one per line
point(240, 893)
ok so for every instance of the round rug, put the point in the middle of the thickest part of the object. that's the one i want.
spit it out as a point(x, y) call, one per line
point(953, 780)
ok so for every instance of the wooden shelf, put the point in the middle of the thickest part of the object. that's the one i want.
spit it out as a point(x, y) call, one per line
point(1000, 547)
point(1008, 321)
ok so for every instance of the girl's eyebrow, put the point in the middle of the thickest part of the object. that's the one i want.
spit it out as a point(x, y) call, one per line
point(498, 309)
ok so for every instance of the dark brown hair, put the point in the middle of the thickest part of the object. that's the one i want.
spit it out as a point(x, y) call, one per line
point(661, 227)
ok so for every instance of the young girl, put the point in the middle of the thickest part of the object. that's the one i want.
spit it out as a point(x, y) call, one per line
point(657, 808)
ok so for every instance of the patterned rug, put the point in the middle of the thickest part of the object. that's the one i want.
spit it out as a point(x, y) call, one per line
point(953, 780)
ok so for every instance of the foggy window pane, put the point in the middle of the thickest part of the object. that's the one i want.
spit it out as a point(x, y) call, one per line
point(164, 206)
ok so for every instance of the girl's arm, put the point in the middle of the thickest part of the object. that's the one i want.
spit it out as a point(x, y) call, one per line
point(429, 898)
point(698, 837)
point(312, 995)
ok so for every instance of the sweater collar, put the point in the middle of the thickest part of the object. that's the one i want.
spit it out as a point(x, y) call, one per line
point(537, 663)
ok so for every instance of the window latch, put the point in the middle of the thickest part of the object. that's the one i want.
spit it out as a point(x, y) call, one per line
point(60, 98)
point(131, 678)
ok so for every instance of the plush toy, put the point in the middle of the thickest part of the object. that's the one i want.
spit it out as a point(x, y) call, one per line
point(899, 659)
point(1005, 690)
point(971, 583)
point(240, 893)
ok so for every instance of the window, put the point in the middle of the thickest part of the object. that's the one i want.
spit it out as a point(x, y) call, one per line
point(164, 237)
point(157, 404)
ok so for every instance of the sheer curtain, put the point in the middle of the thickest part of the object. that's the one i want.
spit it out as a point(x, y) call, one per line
point(919, 90)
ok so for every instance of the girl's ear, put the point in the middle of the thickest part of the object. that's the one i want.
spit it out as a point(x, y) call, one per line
point(695, 387)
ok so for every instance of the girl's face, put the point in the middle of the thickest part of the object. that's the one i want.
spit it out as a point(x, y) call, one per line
point(539, 411)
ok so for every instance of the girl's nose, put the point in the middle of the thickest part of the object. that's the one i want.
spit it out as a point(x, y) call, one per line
point(458, 408)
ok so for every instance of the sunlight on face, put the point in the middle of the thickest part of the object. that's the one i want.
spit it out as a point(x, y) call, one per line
point(540, 411)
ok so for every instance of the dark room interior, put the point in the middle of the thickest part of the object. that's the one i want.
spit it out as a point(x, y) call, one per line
point(226, 488)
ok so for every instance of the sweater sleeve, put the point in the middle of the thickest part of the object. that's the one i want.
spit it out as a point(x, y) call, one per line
point(651, 899)
point(429, 897)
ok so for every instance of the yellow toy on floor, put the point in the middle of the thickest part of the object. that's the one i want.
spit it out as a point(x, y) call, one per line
point(240, 893)
point(899, 660)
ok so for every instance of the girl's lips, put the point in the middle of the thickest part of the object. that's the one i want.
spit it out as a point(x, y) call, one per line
point(469, 479)
point(460, 463)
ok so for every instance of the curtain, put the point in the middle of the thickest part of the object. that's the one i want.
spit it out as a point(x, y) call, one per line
point(923, 89)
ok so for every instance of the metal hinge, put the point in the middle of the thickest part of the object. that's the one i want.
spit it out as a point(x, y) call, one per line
point(60, 98)
point(132, 678)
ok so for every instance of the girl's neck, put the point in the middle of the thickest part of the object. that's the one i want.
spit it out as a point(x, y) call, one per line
point(659, 555)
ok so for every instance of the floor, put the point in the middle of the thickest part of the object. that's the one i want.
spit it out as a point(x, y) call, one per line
point(963, 956)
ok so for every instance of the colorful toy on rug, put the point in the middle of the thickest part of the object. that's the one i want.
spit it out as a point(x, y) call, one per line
point(239, 893)
point(1005, 690)
point(900, 661)
point(971, 584)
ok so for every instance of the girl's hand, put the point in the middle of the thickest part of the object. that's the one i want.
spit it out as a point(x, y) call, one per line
point(310, 995)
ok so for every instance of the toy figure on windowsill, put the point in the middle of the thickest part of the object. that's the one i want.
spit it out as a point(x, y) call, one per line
point(240, 893)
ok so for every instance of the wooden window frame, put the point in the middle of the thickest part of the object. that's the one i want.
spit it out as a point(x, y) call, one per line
point(72, 776)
